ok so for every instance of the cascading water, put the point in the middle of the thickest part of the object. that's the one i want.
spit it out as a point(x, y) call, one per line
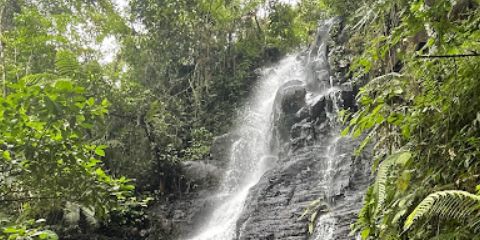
point(320, 69)
point(250, 154)
point(287, 152)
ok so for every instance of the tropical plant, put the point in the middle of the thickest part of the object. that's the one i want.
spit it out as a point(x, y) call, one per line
point(449, 204)
point(50, 118)
point(419, 60)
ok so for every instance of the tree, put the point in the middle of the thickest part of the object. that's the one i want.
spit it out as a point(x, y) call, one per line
point(49, 120)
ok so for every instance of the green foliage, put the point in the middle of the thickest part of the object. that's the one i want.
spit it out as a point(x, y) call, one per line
point(459, 205)
point(50, 117)
point(283, 30)
point(384, 168)
point(426, 105)
point(311, 212)
point(209, 51)
point(186, 74)
point(46, 159)
point(200, 145)
point(27, 230)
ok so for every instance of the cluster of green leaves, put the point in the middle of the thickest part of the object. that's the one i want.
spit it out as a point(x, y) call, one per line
point(46, 158)
point(200, 55)
point(44, 129)
point(52, 114)
point(28, 230)
point(425, 105)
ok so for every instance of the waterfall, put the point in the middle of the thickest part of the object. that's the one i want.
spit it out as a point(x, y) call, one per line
point(250, 155)
point(289, 152)
point(318, 59)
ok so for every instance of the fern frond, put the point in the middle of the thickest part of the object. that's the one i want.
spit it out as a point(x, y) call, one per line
point(313, 209)
point(66, 63)
point(455, 235)
point(399, 158)
point(33, 79)
point(450, 204)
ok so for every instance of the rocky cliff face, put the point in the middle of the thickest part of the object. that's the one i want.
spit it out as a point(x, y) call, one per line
point(310, 161)
point(315, 164)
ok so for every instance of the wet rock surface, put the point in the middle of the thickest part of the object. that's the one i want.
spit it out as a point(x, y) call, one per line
point(177, 216)
point(314, 162)
point(275, 205)
point(309, 161)
point(289, 100)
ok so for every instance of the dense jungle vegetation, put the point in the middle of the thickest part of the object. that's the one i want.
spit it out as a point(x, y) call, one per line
point(421, 111)
point(78, 133)
point(87, 142)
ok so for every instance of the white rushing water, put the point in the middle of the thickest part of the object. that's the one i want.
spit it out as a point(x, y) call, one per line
point(250, 154)
point(326, 223)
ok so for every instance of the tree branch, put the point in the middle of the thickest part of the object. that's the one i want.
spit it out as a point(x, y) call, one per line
point(449, 56)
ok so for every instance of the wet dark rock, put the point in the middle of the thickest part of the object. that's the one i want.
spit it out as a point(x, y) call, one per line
point(349, 101)
point(275, 204)
point(221, 148)
point(199, 173)
point(290, 99)
point(175, 218)
point(314, 163)
point(317, 108)
point(310, 162)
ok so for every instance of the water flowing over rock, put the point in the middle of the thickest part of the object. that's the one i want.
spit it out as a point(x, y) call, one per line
point(286, 152)
point(249, 155)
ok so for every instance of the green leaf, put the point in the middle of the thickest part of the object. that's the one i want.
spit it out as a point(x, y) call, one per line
point(365, 233)
point(10, 230)
point(64, 85)
point(346, 131)
point(100, 152)
point(128, 187)
point(105, 103)
point(91, 101)
point(49, 235)
point(6, 155)
point(100, 172)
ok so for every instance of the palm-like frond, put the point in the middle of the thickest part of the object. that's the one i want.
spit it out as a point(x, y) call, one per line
point(449, 204)
point(33, 79)
point(66, 63)
point(383, 172)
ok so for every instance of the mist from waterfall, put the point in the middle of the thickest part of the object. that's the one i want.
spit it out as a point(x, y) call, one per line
point(250, 155)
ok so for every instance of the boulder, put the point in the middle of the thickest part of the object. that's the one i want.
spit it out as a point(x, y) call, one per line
point(200, 173)
point(290, 99)
point(220, 149)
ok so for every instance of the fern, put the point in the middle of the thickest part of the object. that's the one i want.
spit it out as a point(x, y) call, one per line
point(456, 235)
point(33, 79)
point(66, 63)
point(312, 210)
point(399, 158)
point(450, 204)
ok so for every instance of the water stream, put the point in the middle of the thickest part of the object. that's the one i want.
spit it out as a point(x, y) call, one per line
point(249, 155)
